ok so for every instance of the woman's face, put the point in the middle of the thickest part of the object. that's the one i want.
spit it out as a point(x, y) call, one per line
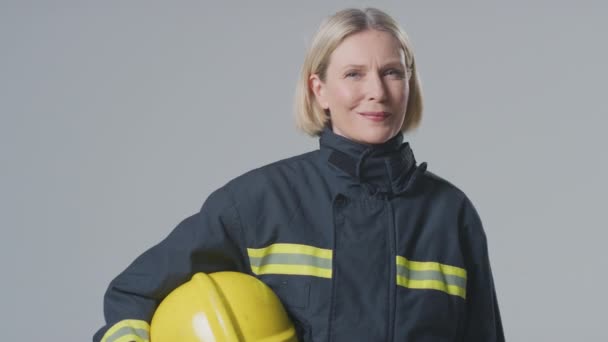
point(366, 87)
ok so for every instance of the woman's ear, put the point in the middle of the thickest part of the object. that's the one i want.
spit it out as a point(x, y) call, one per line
point(318, 88)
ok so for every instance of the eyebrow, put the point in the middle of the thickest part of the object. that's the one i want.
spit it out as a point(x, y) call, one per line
point(389, 64)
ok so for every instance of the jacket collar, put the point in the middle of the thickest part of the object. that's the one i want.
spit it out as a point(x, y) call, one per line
point(385, 167)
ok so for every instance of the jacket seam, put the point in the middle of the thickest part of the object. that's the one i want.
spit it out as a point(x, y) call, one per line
point(392, 297)
point(241, 234)
point(298, 205)
point(333, 277)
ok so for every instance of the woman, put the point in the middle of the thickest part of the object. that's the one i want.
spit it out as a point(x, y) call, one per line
point(391, 251)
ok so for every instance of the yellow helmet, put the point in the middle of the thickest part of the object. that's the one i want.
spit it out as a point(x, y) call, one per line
point(222, 306)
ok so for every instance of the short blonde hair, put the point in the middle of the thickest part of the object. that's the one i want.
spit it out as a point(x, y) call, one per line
point(310, 116)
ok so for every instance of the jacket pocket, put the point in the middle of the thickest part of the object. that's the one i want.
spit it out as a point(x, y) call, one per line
point(293, 293)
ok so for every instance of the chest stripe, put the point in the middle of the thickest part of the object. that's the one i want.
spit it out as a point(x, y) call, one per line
point(432, 276)
point(293, 259)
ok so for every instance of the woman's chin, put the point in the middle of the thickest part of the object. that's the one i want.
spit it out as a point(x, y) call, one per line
point(367, 134)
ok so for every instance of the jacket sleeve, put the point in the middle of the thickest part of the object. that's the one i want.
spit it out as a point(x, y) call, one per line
point(482, 321)
point(208, 241)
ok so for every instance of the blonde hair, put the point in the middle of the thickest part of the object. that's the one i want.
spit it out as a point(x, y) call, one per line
point(310, 116)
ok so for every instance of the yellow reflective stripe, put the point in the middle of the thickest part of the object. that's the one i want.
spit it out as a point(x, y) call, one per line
point(131, 331)
point(292, 269)
point(131, 338)
point(292, 259)
point(431, 266)
point(432, 285)
point(290, 248)
point(431, 275)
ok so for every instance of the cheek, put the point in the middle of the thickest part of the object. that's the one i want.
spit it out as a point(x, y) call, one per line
point(400, 94)
point(344, 96)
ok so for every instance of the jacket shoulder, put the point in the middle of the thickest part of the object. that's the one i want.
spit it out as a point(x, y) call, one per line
point(452, 193)
point(281, 175)
point(441, 184)
point(280, 167)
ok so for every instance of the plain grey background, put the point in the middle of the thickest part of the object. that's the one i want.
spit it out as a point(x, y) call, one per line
point(118, 118)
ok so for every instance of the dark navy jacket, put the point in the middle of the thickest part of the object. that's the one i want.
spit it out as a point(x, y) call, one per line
point(359, 242)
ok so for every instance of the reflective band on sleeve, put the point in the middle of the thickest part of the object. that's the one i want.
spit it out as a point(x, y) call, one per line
point(293, 259)
point(128, 330)
point(431, 275)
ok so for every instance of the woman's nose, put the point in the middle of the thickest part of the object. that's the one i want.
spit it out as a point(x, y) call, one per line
point(375, 87)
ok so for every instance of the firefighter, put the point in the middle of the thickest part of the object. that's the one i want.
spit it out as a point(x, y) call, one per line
point(358, 240)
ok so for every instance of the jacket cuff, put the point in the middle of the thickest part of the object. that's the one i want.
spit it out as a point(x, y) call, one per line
point(128, 330)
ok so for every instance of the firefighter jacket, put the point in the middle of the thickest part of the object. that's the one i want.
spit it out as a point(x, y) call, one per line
point(358, 241)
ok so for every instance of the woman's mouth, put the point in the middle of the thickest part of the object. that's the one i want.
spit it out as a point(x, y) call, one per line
point(375, 116)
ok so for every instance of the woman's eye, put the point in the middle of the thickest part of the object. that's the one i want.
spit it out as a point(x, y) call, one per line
point(396, 73)
point(352, 74)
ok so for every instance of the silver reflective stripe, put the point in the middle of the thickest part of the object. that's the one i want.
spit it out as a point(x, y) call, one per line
point(142, 333)
point(448, 279)
point(291, 259)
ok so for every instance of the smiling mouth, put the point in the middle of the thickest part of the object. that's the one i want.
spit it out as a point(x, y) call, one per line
point(375, 116)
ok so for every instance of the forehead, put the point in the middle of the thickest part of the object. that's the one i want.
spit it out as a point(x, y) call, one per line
point(366, 47)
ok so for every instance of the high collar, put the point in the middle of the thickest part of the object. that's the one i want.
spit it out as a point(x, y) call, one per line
point(385, 167)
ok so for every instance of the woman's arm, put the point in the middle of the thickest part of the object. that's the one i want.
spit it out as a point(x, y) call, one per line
point(208, 241)
point(483, 322)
